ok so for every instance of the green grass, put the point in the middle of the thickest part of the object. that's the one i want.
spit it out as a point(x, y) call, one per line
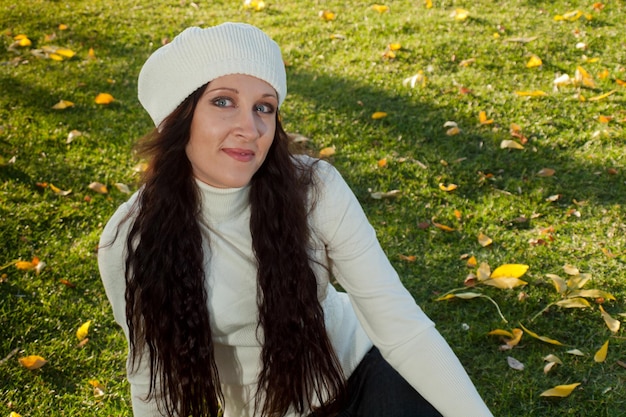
point(334, 87)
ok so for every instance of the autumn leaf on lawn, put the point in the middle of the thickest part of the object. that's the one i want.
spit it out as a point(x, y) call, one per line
point(511, 340)
point(98, 187)
point(510, 144)
point(104, 98)
point(83, 330)
point(327, 15)
point(379, 115)
point(32, 362)
point(602, 96)
point(582, 77)
point(514, 363)
point(453, 128)
point(542, 338)
point(327, 152)
point(534, 62)
point(546, 172)
point(592, 293)
point(611, 323)
point(600, 355)
point(482, 118)
point(533, 93)
point(59, 191)
point(484, 240)
point(73, 135)
point(122, 187)
point(470, 295)
point(22, 40)
point(380, 8)
point(442, 226)
point(447, 188)
point(460, 14)
point(472, 262)
point(562, 80)
point(412, 81)
point(14, 414)
point(255, 5)
point(378, 195)
point(98, 388)
point(552, 360)
point(560, 390)
point(576, 302)
point(509, 271)
point(63, 104)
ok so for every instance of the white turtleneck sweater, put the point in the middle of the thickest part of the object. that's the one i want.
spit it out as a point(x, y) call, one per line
point(376, 307)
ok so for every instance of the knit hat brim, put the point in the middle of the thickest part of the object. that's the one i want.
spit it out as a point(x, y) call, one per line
point(197, 56)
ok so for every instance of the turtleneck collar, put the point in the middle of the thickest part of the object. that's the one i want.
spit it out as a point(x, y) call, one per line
point(219, 204)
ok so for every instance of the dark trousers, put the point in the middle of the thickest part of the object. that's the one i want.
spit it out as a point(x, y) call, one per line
point(375, 389)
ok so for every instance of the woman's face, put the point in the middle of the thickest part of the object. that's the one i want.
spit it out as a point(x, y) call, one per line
point(232, 130)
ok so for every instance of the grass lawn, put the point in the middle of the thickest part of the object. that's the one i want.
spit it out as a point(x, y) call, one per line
point(454, 187)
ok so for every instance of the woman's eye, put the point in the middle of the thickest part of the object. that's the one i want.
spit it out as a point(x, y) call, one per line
point(222, 102)
point(264, 108)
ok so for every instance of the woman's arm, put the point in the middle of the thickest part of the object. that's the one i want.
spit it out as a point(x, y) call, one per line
point(405, 336)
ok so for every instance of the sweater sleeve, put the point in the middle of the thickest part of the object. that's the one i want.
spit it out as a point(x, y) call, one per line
point(111, 256)
point(397, 326)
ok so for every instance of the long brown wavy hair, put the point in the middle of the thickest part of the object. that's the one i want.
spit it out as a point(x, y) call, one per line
point(166, 297)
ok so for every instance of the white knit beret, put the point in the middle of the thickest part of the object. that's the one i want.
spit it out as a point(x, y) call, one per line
point(197, 56)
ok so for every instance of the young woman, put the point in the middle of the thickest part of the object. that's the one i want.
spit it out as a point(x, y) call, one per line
point(218, 269)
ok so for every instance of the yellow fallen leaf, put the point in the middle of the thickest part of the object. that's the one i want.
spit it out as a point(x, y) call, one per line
point(382, 163)
point(611, 323)
point(534, 93)
point(428, 4)
point(327, 15)
point(575, 352)
point(63, 26)
point(578, 281)
point(255, 5)
point(542, 338)
point(448, 188)
point(98, 187)
point(500, 332)
point(582, 77)
point(55, 57)
point(98, 388)
point(534, 62)
point(63, 104)
point(64, 52)
point(394, 46)
point(380, 8)
point(546, 172)
point(26, 265)
point(472, 262)
point(22, 40)
point(14, 414)
point(592, 293)
point(602, 96)
point(576, 302)
point(378, 195)
point(509, 271)
point(59, 191)
point(483, 272)
point(482, 118)
point(553, 358)
point(460, 14)
point(559, 283)
point(104, 98)
point(600, 355)
point(379, 115)
point(327, 151)
point(32, 362)
point(453, 131)
point(442, 226)
point(560, 390)
point(83, 330)
point(510, 144)
point(389, 54)
point(484, 240)
point(91, 54)
point(516, 337)
point(505, 283)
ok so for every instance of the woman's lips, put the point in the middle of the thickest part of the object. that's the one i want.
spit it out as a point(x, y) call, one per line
point(241, 155)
